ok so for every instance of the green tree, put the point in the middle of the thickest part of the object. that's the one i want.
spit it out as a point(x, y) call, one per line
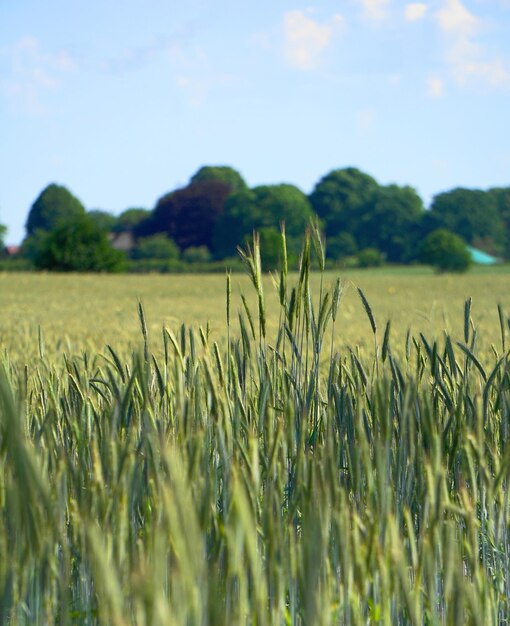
point(342, 198)
point(341, 246)
point(105, 220)
point(390, 222)
point(445, 251)
point(157, 246)
point(221, 173)
point(53, 205)
point(78, 245)
point(3, 232)
point(130, 218)
point(473, 215)
point(501, 196)
point(262, 207)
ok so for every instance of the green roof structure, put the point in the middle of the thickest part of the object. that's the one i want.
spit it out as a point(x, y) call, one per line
point(481, 258)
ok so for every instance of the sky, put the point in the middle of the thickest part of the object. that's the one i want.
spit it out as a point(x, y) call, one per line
point(122, 102)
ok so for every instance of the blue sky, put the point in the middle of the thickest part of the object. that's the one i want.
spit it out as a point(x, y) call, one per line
point(122, 102)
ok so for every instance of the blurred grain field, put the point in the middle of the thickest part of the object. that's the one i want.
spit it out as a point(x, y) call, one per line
point(78, 313)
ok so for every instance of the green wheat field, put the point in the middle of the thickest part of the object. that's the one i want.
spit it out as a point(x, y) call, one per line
point(306, 448)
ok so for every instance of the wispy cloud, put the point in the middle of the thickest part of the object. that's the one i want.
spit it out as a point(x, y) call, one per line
point(375, 9)
point(466, 56)
point(435, 87)
point(33, 71)
point(305, 39)
point(415, 11)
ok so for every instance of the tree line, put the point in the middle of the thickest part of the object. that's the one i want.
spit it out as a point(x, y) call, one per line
point(203, 223)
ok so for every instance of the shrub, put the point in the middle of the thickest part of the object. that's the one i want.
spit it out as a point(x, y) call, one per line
point(370, 257)
point(445, 251)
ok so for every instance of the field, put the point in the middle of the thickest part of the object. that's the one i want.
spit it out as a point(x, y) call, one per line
point(77, 313)
point(166, 462)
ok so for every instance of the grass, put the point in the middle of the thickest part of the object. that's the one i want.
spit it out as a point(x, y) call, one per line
point(173, 478)
point(78, 313)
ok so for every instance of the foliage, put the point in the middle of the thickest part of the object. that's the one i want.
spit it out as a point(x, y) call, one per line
point(198, 254)
point(262, 207)
point(156, 247)
point(390, 223)
point(53, 205)
point(445, 251)
point(369, 257)
point(341, 198)
point(221, 173)
point(77, 245)
point(104, 220)
point(188, 215)
point(341, 246)
point(471, 214)
point(130, 218)
point(501, 197)
point(3, 232)
point(269, 481)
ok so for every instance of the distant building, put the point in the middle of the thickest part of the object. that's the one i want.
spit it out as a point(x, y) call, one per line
point(122, 241)
point(11, 250)
point(479, 257)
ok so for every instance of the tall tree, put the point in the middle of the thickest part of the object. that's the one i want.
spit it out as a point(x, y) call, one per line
point(105, 220)
point(342, 198)
point(53, 205)
point(390, 222)
point(473, 215)
point(221, 173)
point(501, 196)
point(3, 232)
point(130, 218)
point(187, 215)
point(262, 207)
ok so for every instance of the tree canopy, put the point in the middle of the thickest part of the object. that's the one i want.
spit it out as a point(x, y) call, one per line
point(78, 245)
point(265, 206)
point(341, 198)
point(221, 173)
point(53, 205)
point(472, 214)
point(130, 218)
point(188, 215)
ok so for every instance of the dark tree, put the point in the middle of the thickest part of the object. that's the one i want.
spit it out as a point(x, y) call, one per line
point(54, 204)
point(473, 215)
point(265, 206)
point(188, 215)
point(221, 173)
point(445, 251)
point(78, 245)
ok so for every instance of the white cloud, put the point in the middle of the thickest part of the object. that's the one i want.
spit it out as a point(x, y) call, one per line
point(33, 71)
point(305, 39)
point(435, 87)
point(455, 18)
point(465, 55)
point(415, 11)
point(375, 9)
